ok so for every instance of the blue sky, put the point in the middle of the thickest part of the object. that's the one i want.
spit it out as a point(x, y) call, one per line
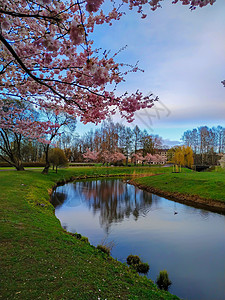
point(183, 55)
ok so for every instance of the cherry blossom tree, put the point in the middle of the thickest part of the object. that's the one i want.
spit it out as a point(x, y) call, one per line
point(18, 121)
point(160, 159)
point(48, 59)
point(149, 158)
point(90, 155)
point(109, 157)
point(118, 157)
point(106, 157)
point(47, 53)
point(137, 157)
point(155, 159)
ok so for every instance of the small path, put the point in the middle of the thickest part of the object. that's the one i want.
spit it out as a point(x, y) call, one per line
point(35, 168)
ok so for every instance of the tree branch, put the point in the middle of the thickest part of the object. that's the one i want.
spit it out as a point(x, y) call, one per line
point(38, 80)
point(23, 15)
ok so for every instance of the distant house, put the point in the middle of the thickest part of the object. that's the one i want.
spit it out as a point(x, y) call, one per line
point(163, 153)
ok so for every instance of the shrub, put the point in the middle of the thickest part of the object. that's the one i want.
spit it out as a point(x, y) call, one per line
point(57, 157)
point(133, 260)
point(104, 249)
point(142, 268)
point(80, 237)
point(163, 282)
point(84, 239)
point(77, 235)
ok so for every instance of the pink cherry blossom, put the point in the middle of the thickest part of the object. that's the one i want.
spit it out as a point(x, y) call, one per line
point(90, 155)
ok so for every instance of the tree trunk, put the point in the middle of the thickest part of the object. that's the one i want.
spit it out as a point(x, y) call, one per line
point(19, 168)
point(11, 151)
point(47, 164)
point(45, 171)
point(13, 162)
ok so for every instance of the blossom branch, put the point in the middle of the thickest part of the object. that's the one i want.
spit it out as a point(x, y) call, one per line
point(38, 80)
point(23, 15)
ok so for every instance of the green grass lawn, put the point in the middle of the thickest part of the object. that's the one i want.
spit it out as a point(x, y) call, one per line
point(208, 185)
point(39, 260)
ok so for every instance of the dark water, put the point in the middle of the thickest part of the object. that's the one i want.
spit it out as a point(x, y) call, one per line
point(190, 245)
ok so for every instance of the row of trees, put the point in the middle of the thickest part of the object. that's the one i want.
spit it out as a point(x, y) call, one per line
point(205, 140)
point(208, 144)
point(117, 158)
point(110, 138)
point(111, 143)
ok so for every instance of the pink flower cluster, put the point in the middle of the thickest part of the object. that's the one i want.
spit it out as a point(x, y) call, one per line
point(108, 157)
point(93, 5)
point(90, 155)
point(155, 159)
point(149, 158)
point(137, 158)
point(77, 33)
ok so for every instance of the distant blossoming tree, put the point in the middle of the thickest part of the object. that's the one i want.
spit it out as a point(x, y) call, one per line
point(149, 158)
point(118, 157)
point(90, 155)
point(106, 157)
point(155, 159)
point(137, 158)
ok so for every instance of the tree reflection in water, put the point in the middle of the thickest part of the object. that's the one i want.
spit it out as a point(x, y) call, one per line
point(113, 199)
point(58, 198)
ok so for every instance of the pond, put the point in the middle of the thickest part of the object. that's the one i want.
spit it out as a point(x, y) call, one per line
point(188, 242)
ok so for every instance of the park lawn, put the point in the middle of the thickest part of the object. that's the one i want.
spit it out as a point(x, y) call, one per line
point(208, 185)
point(39, 260)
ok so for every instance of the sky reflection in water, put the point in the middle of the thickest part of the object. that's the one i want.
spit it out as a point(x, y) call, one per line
point(190, 245)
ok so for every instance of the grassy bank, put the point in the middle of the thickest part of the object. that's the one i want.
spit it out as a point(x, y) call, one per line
point(39, 260)
point(199, 187)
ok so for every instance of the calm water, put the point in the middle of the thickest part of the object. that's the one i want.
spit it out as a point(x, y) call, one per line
point(190, 245)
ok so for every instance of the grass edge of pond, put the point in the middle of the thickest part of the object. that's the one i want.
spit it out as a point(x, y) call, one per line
point(33, 242)
point(202, 190)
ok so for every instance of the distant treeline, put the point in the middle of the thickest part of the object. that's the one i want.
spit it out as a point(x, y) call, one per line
point(205, 140)
point(207, 144)
point(111, 137)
